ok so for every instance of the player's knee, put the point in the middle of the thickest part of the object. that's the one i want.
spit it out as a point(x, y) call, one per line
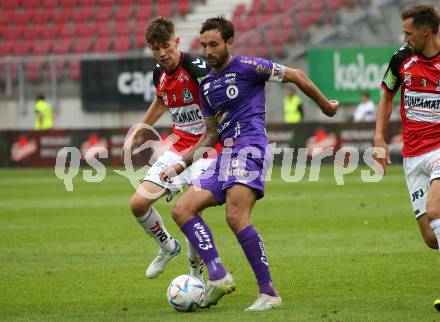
point(181, 212)
point(139, 206)
point(235, 219)
point(433, 212)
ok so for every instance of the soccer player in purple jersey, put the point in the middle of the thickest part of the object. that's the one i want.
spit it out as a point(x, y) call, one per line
point(233, 103)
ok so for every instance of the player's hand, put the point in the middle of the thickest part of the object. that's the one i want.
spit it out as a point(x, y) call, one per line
point(331, 108)
point(381, 154)
point(167, 174)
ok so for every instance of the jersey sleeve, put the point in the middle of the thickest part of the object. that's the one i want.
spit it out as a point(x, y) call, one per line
point(392, 79)
point(157, 71)
point(263, 70)
point(196, 67)
point(207, 110)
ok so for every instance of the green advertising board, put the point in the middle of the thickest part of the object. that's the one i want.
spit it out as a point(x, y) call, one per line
point(344, 73)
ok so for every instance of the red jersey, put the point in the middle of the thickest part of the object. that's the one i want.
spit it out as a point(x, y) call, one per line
point(180, 92)
point(420, 99)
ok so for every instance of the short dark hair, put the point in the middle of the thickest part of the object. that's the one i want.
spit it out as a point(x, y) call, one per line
point(366, 94)
point(220, 23)
point(40, 97)
point(159, 30)
point(423, 14)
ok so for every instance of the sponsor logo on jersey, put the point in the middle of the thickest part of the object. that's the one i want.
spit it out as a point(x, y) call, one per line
point(410, 62)
point(232, 91)
point(424, 107)
point(206, 86)
point(437, 66)
point(199, 63)
point(217, 83)
point(162, 79)
point(438, 85)
point(250, 62)
point(174, 98)
point(230, 80)
point(182, 77)
point(263, 69)
point(407, 79)
point(230, 74)
point(390, 80)
point(417, 194)
point(188, 118)
point(423, 82)
point(187, 97)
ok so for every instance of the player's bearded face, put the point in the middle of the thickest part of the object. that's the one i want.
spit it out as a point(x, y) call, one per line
point(214, 48)
point(414, 37)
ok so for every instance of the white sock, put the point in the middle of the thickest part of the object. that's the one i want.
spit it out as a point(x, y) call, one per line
point(195, 262)
point(152, 223)
point(435, 226)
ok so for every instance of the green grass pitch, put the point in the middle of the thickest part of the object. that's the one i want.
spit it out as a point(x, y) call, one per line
point(337, 253)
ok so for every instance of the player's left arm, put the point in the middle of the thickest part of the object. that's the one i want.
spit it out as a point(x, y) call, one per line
point(300, 79)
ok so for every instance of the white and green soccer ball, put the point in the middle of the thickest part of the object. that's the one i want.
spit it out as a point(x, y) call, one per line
point(185, 293)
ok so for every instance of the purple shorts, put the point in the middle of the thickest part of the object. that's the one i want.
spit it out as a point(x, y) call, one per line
point(236, 165)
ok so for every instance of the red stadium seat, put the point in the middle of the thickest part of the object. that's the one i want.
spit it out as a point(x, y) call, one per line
point(104, 30)
point(183, 6)
point(30, 4)
point(43, 16)
point(31, 33)
point(23, 18)
point(121, 45)
point(74, 70)
point(10, 4)
point(107, 2)
point(83, 15)
point(68, 32)
point(50, 4)
point(82, 45)
point(88, 3)
point(128, 2)
point(63, 46)
point(103, 14)
point(6, 17)
point(62, 16)
point(123, 13)
point(33, 70)
point(164, 9)
point(68, 4)
point(42, 47)
point(6, 48)
point(86, 30)
point(123, 29)
point(22, 48)
point(51, 32)
point(144, 12)
point(12, 33)
point(102, 45)
point(140, 41)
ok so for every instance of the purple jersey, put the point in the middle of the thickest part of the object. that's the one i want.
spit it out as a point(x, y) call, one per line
point(235, 97)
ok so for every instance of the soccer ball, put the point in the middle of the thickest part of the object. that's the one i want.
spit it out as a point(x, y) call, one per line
point(185, 293)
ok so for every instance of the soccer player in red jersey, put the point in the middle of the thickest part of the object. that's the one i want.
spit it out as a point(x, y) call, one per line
point(176, 78)
point(416, 69)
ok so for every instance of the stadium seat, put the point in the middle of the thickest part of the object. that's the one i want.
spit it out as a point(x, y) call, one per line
point(10, 4)
point(82, 45)
point(68, 4)
point(12, 33)
point(68, 32)
point(128, 2)
point(22, 48)
point(123, 13)
point(103, 14)
point(42, 47)
point(102, 45)
point(50, 3)
point(63, 46)
point(33, 70)
point(87, 3)
point(164, 9)
point(22, 18)
point(51, 31)
point(6, 17)
point(183, 7)
point(83, 15)
point(121, 45)
point(104, 29)
point(86, 30)
point(140, 40)
point(30, 4)
point(74, 70)
point(107, 2)
point(62, 16)
point(123, 29)
point(30, 34)
point(6, 48)
point(43, 16)
point(143, 12)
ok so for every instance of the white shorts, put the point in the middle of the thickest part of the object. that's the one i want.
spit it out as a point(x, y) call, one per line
point(183, 179)
point(419, 172)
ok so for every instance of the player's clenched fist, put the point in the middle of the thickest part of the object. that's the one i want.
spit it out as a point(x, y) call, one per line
point(167, 174)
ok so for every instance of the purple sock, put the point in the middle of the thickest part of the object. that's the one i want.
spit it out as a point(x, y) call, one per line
point(200, 237)
point(255, 252)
